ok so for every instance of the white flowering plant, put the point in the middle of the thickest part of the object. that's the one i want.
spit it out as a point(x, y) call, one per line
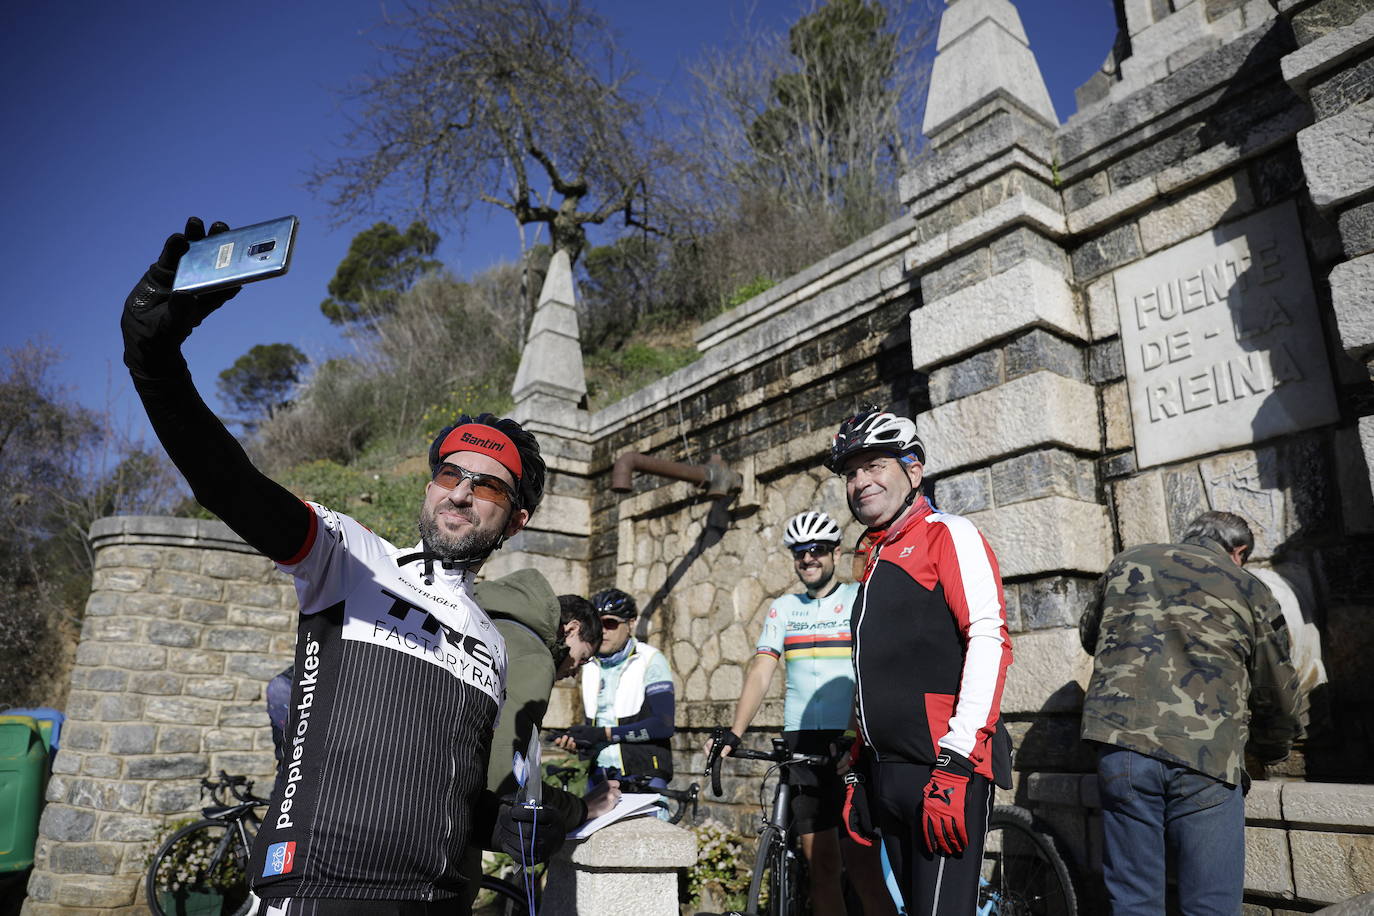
point(186, 867)
point(721, 870)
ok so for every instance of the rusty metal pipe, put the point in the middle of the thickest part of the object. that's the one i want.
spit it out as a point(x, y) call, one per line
point(714, 476)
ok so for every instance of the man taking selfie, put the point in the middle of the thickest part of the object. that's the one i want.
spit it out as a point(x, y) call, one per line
point(399, 674)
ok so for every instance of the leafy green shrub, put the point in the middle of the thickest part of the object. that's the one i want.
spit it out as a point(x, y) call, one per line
point(749, 290)
point(613, 374)
point(389, 504)
point(721, 868)
point(475, 397)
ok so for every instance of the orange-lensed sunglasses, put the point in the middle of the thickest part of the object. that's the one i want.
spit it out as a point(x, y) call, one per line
point(484, 486)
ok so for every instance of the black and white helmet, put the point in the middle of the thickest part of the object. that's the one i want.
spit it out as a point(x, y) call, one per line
point(874, 429)
point(809, 528)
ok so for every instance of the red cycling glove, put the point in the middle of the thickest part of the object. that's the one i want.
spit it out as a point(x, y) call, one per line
point(942, 808)
point(858, 822)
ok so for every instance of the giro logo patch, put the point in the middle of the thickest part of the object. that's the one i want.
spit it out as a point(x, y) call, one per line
point(281, 857)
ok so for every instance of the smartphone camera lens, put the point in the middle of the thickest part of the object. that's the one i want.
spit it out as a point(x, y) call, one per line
point(262, 247)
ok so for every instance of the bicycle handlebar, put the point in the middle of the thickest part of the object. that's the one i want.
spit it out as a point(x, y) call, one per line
point(779, 755)
point(241, 787)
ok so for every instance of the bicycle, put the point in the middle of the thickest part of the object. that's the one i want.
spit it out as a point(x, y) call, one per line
point(510, 899)
point(779, 856)
point(203, 867)
point(1023, 873)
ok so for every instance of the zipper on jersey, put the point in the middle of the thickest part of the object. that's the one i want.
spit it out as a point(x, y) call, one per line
point(448, 822)
point(858, 678)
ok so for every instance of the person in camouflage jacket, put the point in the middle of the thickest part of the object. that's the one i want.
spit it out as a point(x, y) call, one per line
point(1190, 668)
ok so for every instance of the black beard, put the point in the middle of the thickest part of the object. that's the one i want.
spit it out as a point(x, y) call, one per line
point(475, 545)
point(820, 586)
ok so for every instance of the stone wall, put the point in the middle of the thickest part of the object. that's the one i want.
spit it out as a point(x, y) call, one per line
point(184, 627)
point(1307, 844)
point(1074, 390)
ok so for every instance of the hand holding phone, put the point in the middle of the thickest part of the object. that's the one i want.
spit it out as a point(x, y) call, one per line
point(237, 256)
point(155, 320)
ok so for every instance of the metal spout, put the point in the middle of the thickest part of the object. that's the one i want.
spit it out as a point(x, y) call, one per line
point(717, 479)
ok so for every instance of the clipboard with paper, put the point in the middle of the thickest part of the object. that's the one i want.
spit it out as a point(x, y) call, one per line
point(631, 804)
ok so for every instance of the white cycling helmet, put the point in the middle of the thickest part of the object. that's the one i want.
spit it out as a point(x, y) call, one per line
point(875, 429)
point(810, 527)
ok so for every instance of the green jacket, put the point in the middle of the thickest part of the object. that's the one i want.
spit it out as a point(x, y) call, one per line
point(525, 611)
point(1190, 661)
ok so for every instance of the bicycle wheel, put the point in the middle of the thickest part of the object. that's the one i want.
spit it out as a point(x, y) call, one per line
point(760, 899)
point(1022, 872)
point(785, 896)
point(201, 870)
point(506, 899)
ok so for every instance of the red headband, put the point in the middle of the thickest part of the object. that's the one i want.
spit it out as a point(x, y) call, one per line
point(478, 437)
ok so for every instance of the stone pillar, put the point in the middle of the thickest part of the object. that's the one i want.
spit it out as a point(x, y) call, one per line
point(1013, 429)
point(184, 627)
point(982, 55)
point(1333, 69)
point(551, 401)
point(627, 869)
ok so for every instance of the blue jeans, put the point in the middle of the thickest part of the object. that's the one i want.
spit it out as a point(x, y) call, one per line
point(1148, 803)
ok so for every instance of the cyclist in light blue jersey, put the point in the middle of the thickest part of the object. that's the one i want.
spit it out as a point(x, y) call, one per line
point(809, 631)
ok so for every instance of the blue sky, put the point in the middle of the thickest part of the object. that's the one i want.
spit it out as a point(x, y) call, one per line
point(122, 118)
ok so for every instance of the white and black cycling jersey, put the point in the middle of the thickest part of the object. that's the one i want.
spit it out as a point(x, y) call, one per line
point(398, 684)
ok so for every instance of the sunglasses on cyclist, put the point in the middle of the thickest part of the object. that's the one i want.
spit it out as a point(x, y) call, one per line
point(612, 623)
point(816, 550)
point(484, 486)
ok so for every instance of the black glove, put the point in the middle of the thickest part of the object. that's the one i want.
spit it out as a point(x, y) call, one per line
point(156, 321)
point(585, 736)
point(727, 738)
point(529, 835)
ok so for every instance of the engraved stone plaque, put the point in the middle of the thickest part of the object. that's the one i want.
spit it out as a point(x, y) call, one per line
point(1223, 344)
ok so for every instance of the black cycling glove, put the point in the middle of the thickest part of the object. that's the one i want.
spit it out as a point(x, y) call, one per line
point(585, 736)
point(529, 835)
point(156, 321)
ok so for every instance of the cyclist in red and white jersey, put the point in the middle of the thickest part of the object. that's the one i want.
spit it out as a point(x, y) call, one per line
point(931, 653)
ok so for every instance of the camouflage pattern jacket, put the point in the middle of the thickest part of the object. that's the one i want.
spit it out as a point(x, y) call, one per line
point(1190, 661)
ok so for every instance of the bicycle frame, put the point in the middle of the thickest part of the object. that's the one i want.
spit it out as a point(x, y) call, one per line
point(777, 826)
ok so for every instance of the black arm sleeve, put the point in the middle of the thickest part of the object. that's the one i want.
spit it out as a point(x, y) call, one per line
point(219, 472)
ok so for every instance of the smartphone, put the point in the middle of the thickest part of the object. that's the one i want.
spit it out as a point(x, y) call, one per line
point(256, 252)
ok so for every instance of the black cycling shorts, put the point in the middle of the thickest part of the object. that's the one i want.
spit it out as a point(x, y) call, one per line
point(817, 791)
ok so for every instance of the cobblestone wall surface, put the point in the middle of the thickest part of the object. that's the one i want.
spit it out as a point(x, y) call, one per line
point(184, 627)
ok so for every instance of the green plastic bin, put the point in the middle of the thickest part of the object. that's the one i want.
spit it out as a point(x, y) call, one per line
point(23, 777)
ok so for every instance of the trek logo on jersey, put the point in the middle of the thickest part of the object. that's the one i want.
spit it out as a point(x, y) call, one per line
point(281, 857)
point(906, 552)
point(839, 608)
point(772, 612)
point(409, 628)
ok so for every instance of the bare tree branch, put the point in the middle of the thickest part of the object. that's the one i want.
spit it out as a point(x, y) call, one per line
point(503, 102)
